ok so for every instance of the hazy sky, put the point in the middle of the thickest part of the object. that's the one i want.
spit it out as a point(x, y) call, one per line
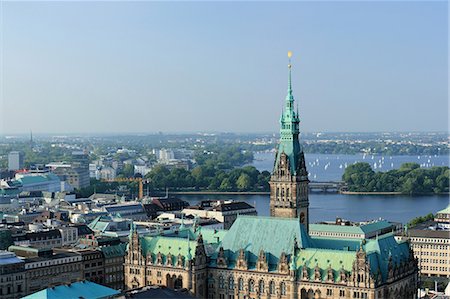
point(203, 66)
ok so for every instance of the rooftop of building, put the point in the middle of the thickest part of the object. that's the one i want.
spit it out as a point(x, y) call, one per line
point(83, 289)
point(352, 229)
point(233, 206)
point(444, 211)
point(9, 258)
point(157, 292)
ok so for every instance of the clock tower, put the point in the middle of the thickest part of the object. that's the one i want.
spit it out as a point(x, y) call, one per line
point(289, 181)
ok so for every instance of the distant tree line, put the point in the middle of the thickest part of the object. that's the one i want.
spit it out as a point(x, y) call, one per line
point(408, 179)
point(223, 156)
point(209, 177)
point(370, 147)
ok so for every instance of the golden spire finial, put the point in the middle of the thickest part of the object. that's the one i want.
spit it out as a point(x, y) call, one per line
point(289, 56)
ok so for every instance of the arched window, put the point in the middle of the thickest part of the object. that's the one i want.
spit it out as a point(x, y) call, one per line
point(287, 192)
point(278, 192)
point(221, 282)
point(272, 287)
point(251, 285)
point(231, 283)
point(241, 284)
point(283, 288)
point(261, 287)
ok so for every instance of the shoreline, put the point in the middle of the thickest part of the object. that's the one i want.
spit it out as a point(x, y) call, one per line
point(370, 193)
point(268, 193)
point(221, 192)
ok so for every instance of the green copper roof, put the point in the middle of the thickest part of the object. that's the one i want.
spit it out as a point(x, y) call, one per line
point(273, 235)
point(34, 179)
point(167, 245)
point(379, 250)
point(83, 289)
point(445, 211)
point(336, 243)
point(289, 131)
point(375, 226)
point(323, 258)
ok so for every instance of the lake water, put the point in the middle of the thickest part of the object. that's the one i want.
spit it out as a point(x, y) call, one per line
point(328, 206)
point(323, 167)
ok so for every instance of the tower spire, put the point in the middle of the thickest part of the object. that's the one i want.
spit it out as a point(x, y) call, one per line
point(289, 96)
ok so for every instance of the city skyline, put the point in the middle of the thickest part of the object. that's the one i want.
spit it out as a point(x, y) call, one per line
point(162, 68)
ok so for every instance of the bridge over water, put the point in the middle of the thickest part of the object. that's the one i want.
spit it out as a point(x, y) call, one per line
point(331, 186)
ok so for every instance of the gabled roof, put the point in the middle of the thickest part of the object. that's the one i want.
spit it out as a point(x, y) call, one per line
point(323, 258)
point(114, 250)
point(270, 234)
point(83, 289)
point(167, 245)
point(378, 251)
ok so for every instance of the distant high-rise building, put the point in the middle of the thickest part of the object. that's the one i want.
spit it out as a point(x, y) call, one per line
point(15, 160)
point(289, 180)
point(75, 173)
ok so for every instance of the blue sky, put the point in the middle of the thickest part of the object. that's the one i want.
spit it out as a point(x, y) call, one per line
point(75, 67)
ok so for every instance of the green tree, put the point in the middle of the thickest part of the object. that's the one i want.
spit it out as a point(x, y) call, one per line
point(243, 182)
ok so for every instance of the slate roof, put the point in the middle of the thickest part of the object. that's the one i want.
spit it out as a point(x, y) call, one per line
point(83, 289)
point(232, 206)
point(114, 250)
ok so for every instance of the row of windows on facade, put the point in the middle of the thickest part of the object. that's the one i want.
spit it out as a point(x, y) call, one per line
point(433, 253)
point(114, 269)
point(282, 192)
point(434, 261)
point(435, 268)
point(288, 126)
point(114, 278)
point(9, 290)
point(336, 234)
point(10, 278)
point(429, 240)
point(55, 270)
point(251, 285)
point(361, 295)
point(93, 265)
point(56, 262)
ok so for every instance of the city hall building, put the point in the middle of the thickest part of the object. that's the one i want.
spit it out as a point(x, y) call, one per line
point(274, 257)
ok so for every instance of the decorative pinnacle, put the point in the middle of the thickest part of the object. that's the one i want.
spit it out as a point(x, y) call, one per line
point(289, 56)
point(289, 78)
